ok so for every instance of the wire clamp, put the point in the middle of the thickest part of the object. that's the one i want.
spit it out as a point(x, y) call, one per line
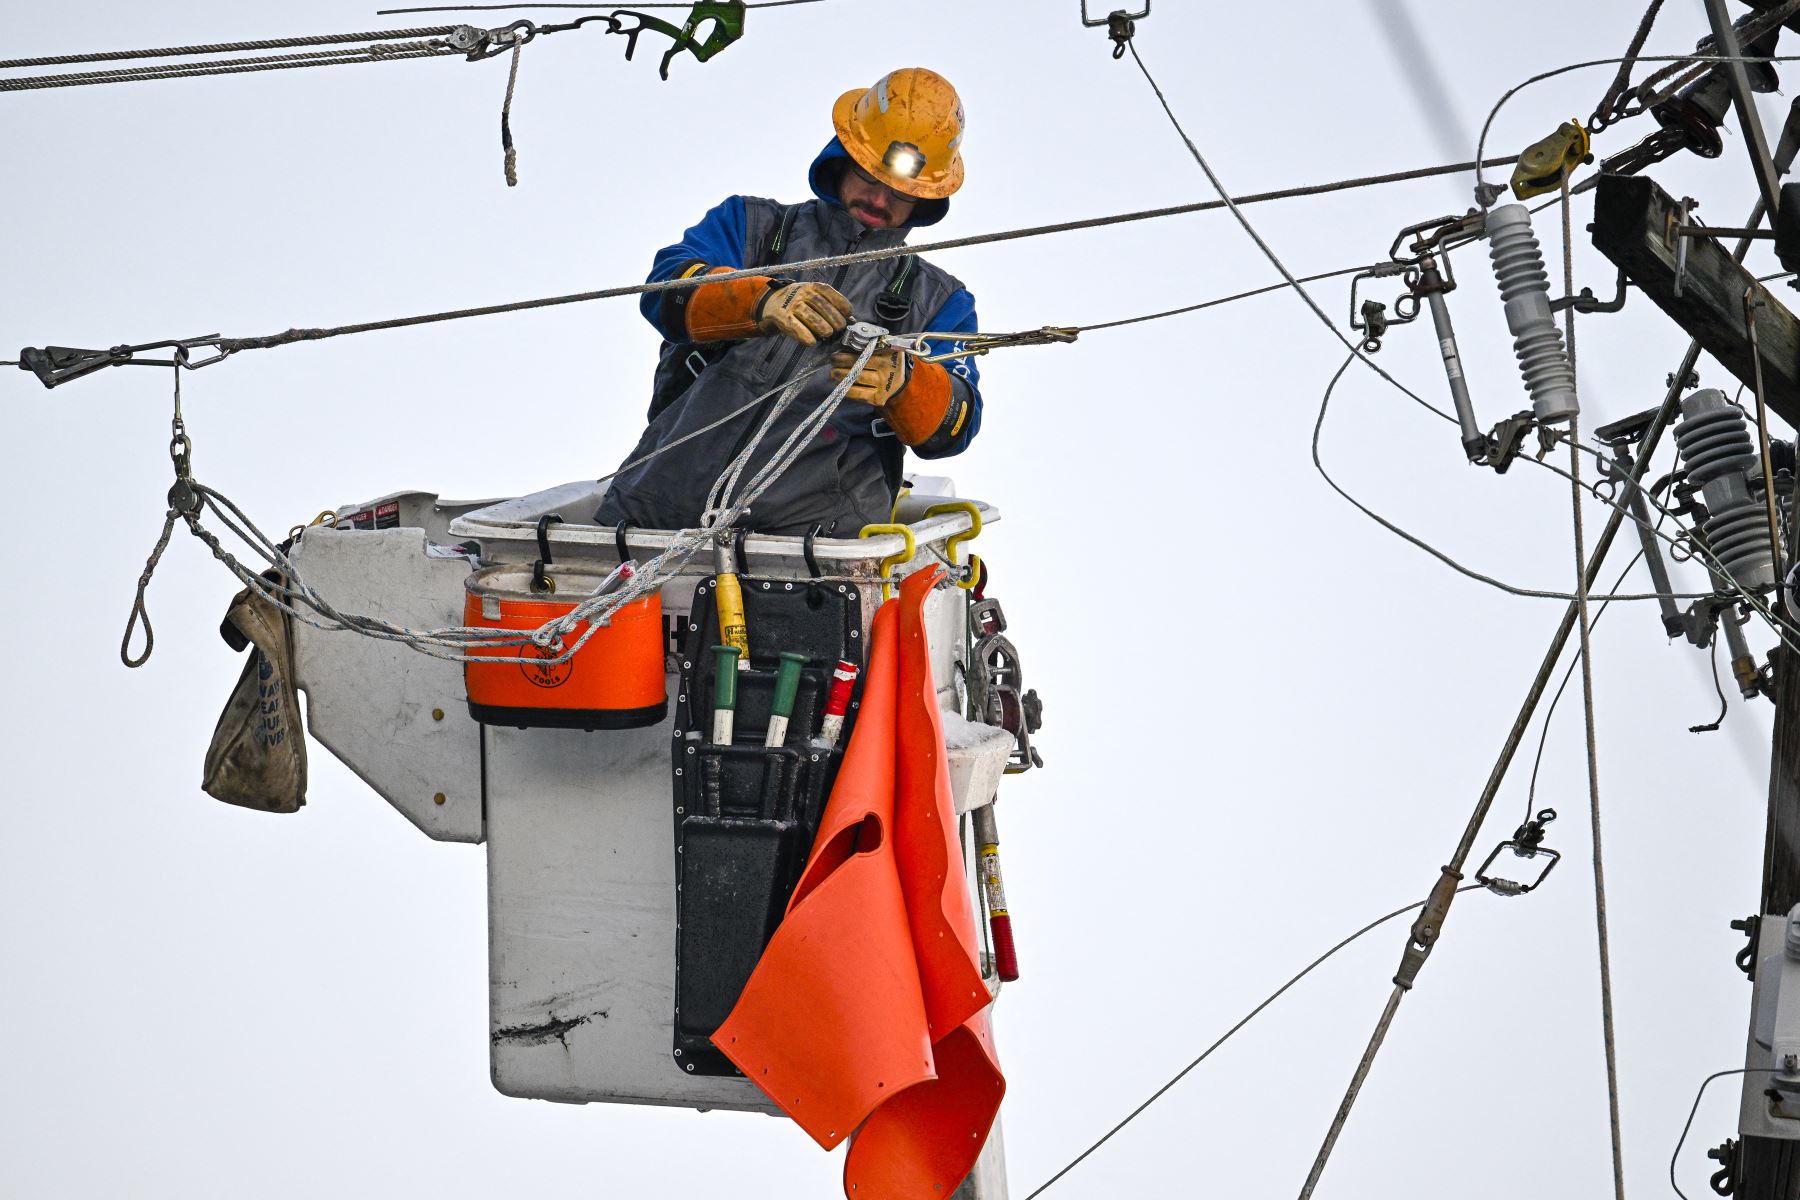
point(1527, 841)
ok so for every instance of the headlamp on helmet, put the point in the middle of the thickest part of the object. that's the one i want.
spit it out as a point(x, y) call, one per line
point(903, 159)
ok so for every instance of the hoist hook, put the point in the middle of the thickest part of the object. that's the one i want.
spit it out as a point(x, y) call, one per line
point(1120, 25)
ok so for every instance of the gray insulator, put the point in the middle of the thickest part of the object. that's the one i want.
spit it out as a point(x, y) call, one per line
point(1525, 291)
point(1720, 456)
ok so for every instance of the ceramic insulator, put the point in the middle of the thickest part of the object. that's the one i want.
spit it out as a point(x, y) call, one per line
point(1525, 291)
point(1720, 456)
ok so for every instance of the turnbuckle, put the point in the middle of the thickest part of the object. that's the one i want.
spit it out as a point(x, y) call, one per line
point(1527, 841)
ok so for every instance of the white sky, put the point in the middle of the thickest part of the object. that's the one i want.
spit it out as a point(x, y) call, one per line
point(1266, 719)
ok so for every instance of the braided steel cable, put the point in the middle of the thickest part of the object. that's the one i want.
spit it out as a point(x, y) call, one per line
point(380, 52)
point(328, 39)
point(230, 346)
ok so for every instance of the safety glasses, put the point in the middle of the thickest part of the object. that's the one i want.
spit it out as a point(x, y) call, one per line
point(893, 192)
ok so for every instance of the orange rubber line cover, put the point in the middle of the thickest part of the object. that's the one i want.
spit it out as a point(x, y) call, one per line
point(836, 1024)
point(925, 840)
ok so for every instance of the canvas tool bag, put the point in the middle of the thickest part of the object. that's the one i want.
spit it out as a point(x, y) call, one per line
point(258, 752)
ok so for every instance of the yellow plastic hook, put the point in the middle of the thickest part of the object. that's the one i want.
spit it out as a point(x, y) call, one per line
point(971, 575)
point(900, 559)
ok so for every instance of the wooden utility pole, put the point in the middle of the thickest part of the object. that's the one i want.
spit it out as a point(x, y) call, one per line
point(1769, 1168)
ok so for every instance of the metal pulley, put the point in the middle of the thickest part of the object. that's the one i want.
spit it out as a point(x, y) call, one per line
point(1546, 164)
point(996, 688)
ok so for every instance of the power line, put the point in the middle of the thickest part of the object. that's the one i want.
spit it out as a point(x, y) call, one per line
point(1421, 543)
point(1550, 712)
point(1680, 1141)
point(1226, 1036)
point(1188, 308)
point(1481, 184)
point(233, 345)
point(227, 346)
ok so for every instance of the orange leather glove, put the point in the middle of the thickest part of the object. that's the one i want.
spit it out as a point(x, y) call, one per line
point(915, 399)
point(806, 312)
point(756, 305)
point(881, 379)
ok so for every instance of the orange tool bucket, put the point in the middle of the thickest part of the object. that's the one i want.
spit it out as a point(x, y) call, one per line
point(615, 681)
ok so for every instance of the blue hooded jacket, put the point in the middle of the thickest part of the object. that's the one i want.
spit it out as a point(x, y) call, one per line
point(719, 240)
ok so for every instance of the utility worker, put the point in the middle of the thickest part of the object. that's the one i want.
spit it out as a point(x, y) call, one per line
point(891, 168)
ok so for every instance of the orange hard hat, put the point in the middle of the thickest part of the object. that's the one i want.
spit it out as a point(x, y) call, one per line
point(905, 132)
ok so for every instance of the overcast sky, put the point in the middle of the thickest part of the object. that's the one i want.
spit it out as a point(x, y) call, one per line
point(1266, 718)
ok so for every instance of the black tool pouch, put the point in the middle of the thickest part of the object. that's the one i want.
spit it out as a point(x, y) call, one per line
point(745, 814)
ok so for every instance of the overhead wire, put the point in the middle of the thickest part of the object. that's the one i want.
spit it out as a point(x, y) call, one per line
point(1232, 204)
point(1188, 308)
point(1682, 1140)
point(1400, 987)
point(1550, 712)
point(1225, 1037)
point(1482, 187)
point(229, 346)
point(1755, 25)
point(1356, 352)
point(1724, 704)
point(1443, 557)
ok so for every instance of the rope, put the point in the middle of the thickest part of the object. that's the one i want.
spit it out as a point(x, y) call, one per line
point(1226, 1036)
point(329, 39)
point(294, 597)
point(138, 611)
point(326, 58)
point(510, 155)
point(1603, 111)
point(234, 345)
point(1584, 630)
